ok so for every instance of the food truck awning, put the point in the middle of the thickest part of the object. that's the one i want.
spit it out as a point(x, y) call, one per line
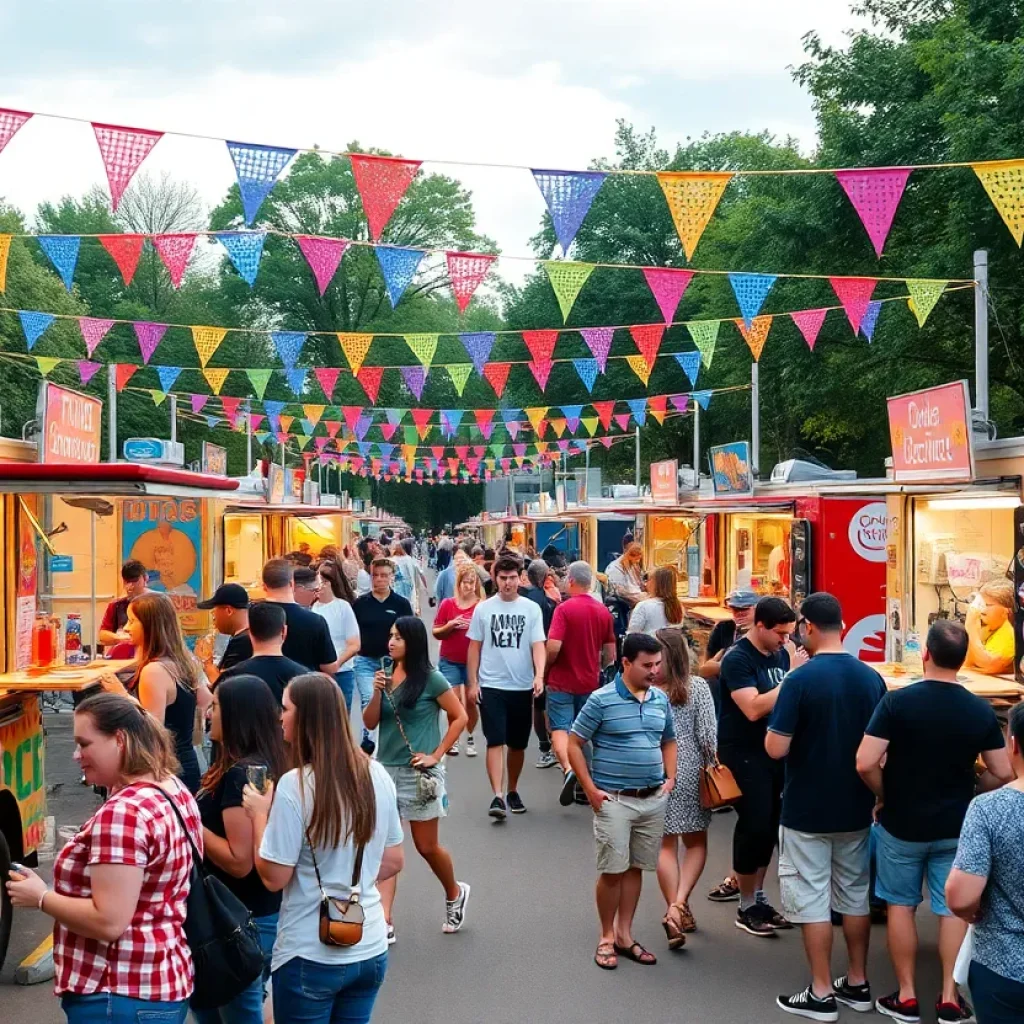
point(110, 478)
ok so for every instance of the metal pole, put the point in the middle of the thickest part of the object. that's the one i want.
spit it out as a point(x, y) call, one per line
point(172, 401)
point(696, 444)
point(981, 333)
point(92, 562)
point(112, 413)
point(248, 442)
point(586, 470)
point(755, 421)
point(638, 461)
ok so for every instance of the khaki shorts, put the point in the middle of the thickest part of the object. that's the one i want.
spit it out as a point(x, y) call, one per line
point(819, 873)
point(628, 831)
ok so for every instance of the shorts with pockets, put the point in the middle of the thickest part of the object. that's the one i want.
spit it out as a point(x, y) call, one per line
point(506, 717)
point(903, 867)
point(628, 831)
point(453, 671)
point(563, 709)
point(822, 872)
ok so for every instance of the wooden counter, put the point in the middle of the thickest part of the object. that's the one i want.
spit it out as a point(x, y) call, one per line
point(993, 688)
point(705, 608)
point(66, 678)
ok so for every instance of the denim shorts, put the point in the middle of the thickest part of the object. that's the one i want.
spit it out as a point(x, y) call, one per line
point(563, 708)
point(902, 868)
point(452, 671)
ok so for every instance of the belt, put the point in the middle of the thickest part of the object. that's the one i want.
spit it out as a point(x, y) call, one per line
point(639, 793)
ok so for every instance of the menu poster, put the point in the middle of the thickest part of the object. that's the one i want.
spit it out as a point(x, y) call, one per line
point(215, 459)
point(731, 475)
point(71, 426)
point(931, 434)
point(25, 607)
point(665, 481)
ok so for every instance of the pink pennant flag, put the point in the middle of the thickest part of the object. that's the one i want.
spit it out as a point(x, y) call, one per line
point(855, 294)
point(622, 419)
point(255, 419)
point(174, 250)
point(599, 341)
point(479, 450)
point(327, 377)
point(94, 330)
point(125, 251)
point(648, 340)
point(541, 370)
point(320, 443)
point(462, 450)
point(87, 370)
point(323, 256)
point(149, 336)
point(667, 286)
point(388, 430)
point(381, 181)
point(465, 271)
point(606, 441)
point(369, 378)
point(513, 428)
point(679, 402)
point(123, 150)
point(10, 122)
point(198, 401)
point(541, 344)
point(231, 406)
point(875, 194)
point(351, 413)
point(809, 321)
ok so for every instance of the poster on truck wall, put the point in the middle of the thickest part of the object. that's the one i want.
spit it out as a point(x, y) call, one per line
point(931, 434)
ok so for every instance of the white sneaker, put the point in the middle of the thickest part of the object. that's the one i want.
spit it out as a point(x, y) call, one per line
point(455, 910)
point(391, 934)
point(453, 750)
point(470, 747)
point(547, 759)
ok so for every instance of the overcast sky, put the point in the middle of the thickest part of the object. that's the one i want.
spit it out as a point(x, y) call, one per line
point(534, 82)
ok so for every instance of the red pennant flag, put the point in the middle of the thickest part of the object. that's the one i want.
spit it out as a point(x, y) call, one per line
point(604, 412)
point(333, 426)
point(328, 380)
point(484, 418)
point(421, 417)
point(497, 376)
point(465, 271)
point(622, 419)
point(657, 407)
point(323, 256)
point(381, 181)
point(462, 450)
point(453, 467)
point(10, 122)
point(370, 377)
point(125, 251)
point(231, 406)
point(123, 150)
point(648, 341)
point(542, 427)
point(437, 452)
point(809, 321)
point(174, 250)
point(122, 374)
point(541, 344)
point(473, 465)
point(855, 294)
point(351, 414)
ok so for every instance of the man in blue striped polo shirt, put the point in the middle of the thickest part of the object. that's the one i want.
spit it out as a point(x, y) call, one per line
point(629, 724)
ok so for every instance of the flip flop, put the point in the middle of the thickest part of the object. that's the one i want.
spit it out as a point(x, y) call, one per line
point(644, 957)
point(605, 957)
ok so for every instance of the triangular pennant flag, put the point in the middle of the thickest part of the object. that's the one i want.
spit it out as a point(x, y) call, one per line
point(123, 150)
point(512, 426)
point(558, 425)
point(168, 375)
point(599, 341)
point(809, 322)
point(94, 330)
point(870, 319)
point(159, 397)
point(395, 416)
point(484, 421)
point(640, 366)
point(386, 450)
point(259, 380)
point(542, 446)
point(604, 411)
point(216, 378)
point(409, 454)
point(704, 334)
point(148, 336)
point(1003, 180)
point(255, 419)
point(323, 256)
point(122, 374)
point(667, 286)
point(381, 181)
point(321, 443)
point(478, 346)
point(207, 340)
point(756, 334)
point(332, 427)
point(638, 407)
point(509, 415)
point(257, 169)
point(423, 346)
point(689, 363)
point(125, 251)
point(388, 430)
point(303, 441)
point(648, 340)
point(702, 398)
point(541, 344)
point(453, 418)
point(62, 251)
point(679, 402)
point(47, 364)
point(34, 325)
point(572, 416)
point(263, 437)
point(568, 195)
point(497, 376)
point(174, 251)
point(751, 290)
point(590, 424)
point(399, 268)
point(563, 446)
point(465, 271)
point(587, 370)
point(459, 373)
point(231, 407)
point(296, 381)
point(855, 294)
point(536, 417)
point(244, 249)
point(10, 122)
point(541, 370)
point(289, 346)
point(5, 250)
point(313, 413)
point(327, 377)
point(875, 194)
point(87, 370)
point(415, 377)
point(437, 452)
point(622, 420)
point(923, 297)
point(286, 422)
point(656, 407)
point(606, 441)
point(356, 348)
point(369, 378)
point(199, 401)
point(692, 197)
point(421, 417)
point(567, 280)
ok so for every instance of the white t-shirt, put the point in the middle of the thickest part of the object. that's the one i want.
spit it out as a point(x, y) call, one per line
point(284, 842)
point(341, 621)
point(364, 583)
point(507, 630)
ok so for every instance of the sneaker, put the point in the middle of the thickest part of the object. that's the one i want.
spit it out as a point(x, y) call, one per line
point(726, 891)
point(453, 750)
point(568, 794)
point(470, 747)
point(857, 997)
point(546, 760)
point(515, 803)
point(455, 910)
point(751, 921)
point(954, 1013)
point(367, 746)
point(807, 1004)
point(497, 809)
point(904, 1010)
point(391, 934)
point(771, 916)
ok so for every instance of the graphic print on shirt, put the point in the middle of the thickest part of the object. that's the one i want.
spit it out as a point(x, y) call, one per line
point(507, 630)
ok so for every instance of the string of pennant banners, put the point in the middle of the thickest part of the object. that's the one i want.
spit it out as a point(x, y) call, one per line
point(691, 196)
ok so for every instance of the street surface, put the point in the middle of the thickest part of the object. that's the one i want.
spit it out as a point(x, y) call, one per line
point(525, 953)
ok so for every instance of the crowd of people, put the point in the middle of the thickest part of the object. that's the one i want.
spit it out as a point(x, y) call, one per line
point(291, 749)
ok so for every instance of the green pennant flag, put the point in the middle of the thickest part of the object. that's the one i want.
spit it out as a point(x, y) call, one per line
point(303, 440)
point(46, 364)
point(459, 373)
point(497, 450)
point(158, 396)
point(923, 297)
point(423, 346)
point(259, 380)
point(704, 334)
point(567, 280)
point(411, 435)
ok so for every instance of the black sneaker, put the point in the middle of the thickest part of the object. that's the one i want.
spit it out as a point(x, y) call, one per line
point(568, 794)
point(772, 917)
point(807, 1004)
point(368, 746)
point(906, 1010)
point(751, 921)
point(954, 1013)
point(515, 803)
point(857, 997)
point(497, 809)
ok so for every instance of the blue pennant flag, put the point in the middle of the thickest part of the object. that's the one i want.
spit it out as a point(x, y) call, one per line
point(34, 325)
point(870, 318)
point(62, 251)
point(572, 414)
point(638, 407)
point(478, 346)
point(394, 416)
point(511, 415)
point(386, 449)
point(580, 446)
point(568, 195)
point(689, 363)
point(212, 421)
point(751, 290)
point(262, 436)
point(588, 370)
point(399, 268)
point(168, 375)
point(453, 417)
point(364, 447)
point(289, 345)
point(244, 249)
point(702, 398)
point(257, 168)
point(307, 427)
point(273, 409)
point(296, 380)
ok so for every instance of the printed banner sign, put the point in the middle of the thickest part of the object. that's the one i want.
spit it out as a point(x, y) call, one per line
point(665, 481)
point(931, 434)
point(215, 459)
point(71, 426)
point(731, 474)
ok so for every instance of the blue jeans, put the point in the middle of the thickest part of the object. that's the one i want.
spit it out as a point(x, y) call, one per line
point(902, 868)
point(107, 1008)
point(347, 681)
point(365, 669)
point(306, 992)
point(997, 1000)
point(452, 671)
point(247, 1007)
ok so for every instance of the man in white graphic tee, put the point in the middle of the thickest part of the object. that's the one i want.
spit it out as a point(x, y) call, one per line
point(505, 671)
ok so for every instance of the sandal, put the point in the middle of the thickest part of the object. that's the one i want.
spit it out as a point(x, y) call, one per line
point(635, 952)
point(688, 923)
point(605, 957)
point(673, 925)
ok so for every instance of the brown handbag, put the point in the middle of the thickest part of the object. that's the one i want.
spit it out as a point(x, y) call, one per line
point(718, 786)
point(341, 918)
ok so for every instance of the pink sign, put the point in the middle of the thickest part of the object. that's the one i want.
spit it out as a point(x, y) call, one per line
point(931, 434)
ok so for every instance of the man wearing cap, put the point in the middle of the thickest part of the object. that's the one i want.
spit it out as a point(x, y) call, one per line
point(230, 613)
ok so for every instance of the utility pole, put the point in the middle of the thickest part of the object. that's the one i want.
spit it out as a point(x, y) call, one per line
point(172, 402)
point(981, 333)
point(696, 444)
point(755, 420)
point(111, 413)
point(638, 462)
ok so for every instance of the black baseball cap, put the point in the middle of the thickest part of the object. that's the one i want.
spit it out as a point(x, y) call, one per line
point(231, 594)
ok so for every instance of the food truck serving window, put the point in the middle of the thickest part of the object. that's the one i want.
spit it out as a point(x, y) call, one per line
point(243, 549)
point(757, 552)
point(310, 534)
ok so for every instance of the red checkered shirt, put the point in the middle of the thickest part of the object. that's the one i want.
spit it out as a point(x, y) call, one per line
point(151, 959)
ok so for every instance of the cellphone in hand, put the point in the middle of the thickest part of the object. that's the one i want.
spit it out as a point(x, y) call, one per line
point(257, 776)
point(387, 666)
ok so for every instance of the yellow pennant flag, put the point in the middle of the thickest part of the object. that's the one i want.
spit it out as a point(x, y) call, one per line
point(489, 463)
point(423, 346)
point(313, 413)
point(535, 416)
point(558, 424)
point(459, 373)
point(207, 340)
point(158, 396)
point(303, 440)
point(409, 455)
point(356, 347)
point(640, 366)
point(5, 248)
point(519, 460)
point(692, 197)
point(46, 364)
point(923, 296)
point(216, 378)
point(756, 335)
point(542, 447)
point(1004, 182)
point(567, 280)
point(286, 422)
point(590, 422)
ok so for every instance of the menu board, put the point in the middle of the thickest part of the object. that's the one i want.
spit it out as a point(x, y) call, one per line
point(931, 434)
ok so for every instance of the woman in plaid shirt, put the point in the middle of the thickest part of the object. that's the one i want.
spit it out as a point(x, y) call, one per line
point(119, 887)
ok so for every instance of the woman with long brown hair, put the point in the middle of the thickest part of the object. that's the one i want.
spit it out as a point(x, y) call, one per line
point(334, 600)
point(335, 819)
point(661, 609)
point(684, 848)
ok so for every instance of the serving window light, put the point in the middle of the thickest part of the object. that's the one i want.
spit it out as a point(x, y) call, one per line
point(973, 504)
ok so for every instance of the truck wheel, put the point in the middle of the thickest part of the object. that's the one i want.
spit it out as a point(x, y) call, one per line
point(6, 907)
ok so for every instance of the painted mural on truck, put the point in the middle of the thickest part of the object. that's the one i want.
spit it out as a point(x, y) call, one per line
point(21, 764)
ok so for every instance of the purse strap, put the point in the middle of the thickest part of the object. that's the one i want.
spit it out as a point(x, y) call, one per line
point(398, 722)
point(357, 868)
point(197, 859)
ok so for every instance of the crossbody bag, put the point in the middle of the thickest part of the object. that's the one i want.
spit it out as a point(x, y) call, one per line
point(429, 780)
point(341, 918)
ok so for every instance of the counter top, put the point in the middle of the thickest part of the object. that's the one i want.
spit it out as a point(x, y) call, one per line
point(989, 687)
point(705, 608)
point(66, 678)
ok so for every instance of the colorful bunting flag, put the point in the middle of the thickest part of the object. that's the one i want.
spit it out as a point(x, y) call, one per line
point(421, 417)
point(388, 430)
point(216, 378)
point(875, 194)
point(94, 330)
point(168, 375)
point(478, 346)
point(640, 366)
point(381, 182)
point(923, 297)
point(423, 347)
point(207, 340)
point(395, 416)
point(289, 346)
point(323, 256)
point(415, 377)
point(259, 380)
point(459, 373)
point(656, 407)
point(587, 370)
point(1003, 180)
point(622, 420)
point(244, 249)
point(369, 378)
point(648, 340)
point(5, 249)
point(599, 341)
point(497, 376)
point(62, 252)
point(87, 370)
point(590, 424)
point(870, 319)
point(34, 325)
point(536, 417)
point(679, 402)
point(855, 294)
point(567, 280)
point(702, 398)
point(568, 195)
point(541, 370)
point(572, 416)
point(159, 397)
point(356, 347)
point(638, 407)
point(125, 251)
point(513, 427)
point(756, 334)
point(148, 336)
point(296, 380)
point(484, 421)
point(465, 271)
point(689, 363)
point(174, 251)
point(257, 169)
point(231, 407)
point(667, 286)
point(398, 266)
point(123, 150)
point(351, 414)
point(10, 122)
point(809, 322)
point(606, 441)
point(704, 334)
point(199, 401)
point(122, 374)
point(604, 412)
point(47, 363)
point(451, 419)
point(332, 427)
point(692, 197)
point(327, 378)
point(751, 290)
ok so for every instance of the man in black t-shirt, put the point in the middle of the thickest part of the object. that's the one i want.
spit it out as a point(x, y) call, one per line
point(929, 735)
point(741, 603)
point(308, 639)
point(268, 631)
point(229, 608)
